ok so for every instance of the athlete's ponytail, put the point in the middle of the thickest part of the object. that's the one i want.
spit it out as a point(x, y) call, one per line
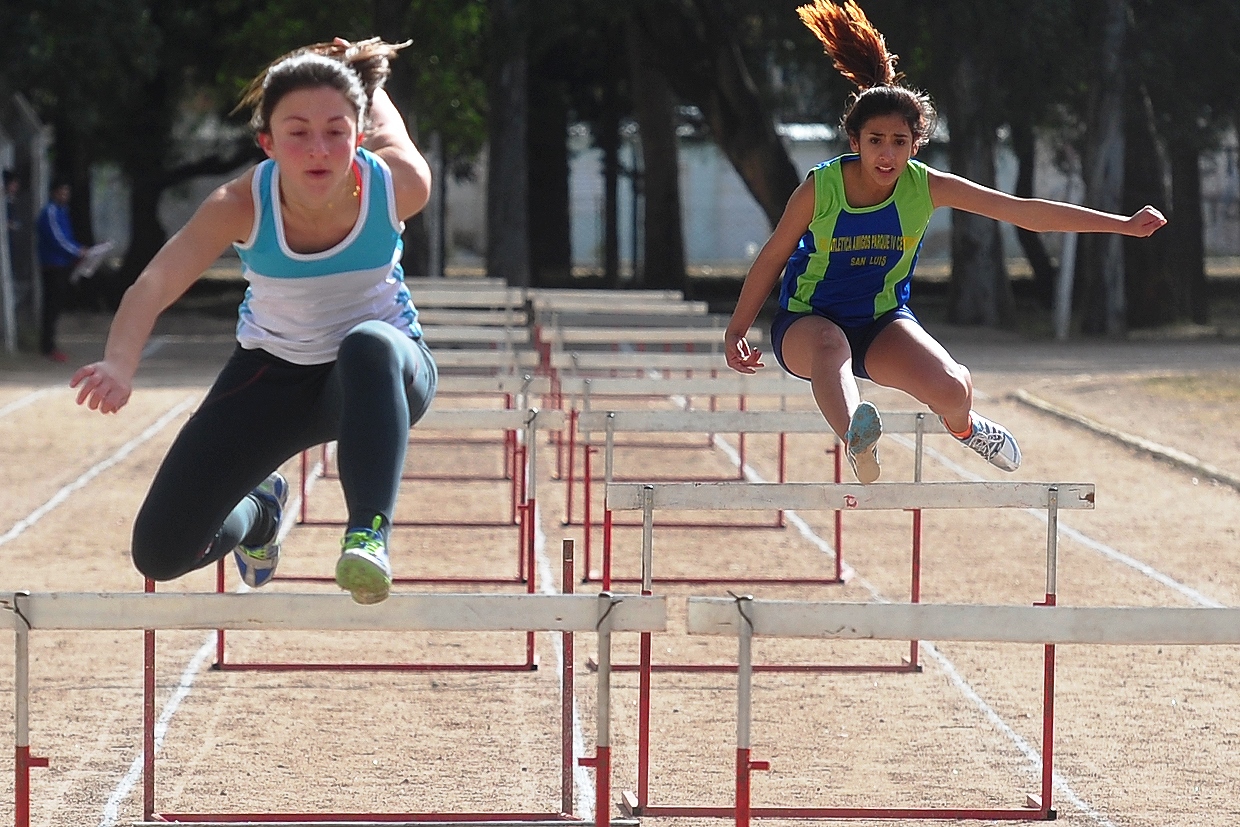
point(859, 51)
point(356, 70)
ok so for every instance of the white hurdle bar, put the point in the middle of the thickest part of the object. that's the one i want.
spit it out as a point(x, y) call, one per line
point(566, 613)
point(647, 497)
point(740, 422)
point(745, 618)
point(499, 338)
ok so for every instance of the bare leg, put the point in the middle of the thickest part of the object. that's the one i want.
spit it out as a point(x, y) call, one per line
point(904, 356)
point(816, 348)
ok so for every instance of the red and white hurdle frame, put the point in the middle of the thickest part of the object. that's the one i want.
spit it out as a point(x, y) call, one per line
point(580, 394)
point(650, 497)
point(1045, 624)
point(529, 422)
point(602, 614)
point(781, 423)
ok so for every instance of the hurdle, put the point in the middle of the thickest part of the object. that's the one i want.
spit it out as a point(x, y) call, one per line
point(480, 362)
point(566, 613)
point(649, 497)
point(581, 392)
point(1045, 624)
point(740, 422)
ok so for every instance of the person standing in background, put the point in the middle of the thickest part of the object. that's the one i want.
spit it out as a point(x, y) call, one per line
point(58, 253)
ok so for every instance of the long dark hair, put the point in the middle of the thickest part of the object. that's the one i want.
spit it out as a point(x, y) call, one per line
point(859, 52)
point(355, 70)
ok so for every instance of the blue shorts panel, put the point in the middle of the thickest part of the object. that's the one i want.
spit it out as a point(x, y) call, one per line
point(859, 338)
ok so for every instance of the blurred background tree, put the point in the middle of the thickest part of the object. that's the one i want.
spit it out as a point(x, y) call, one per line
point(1119, 93)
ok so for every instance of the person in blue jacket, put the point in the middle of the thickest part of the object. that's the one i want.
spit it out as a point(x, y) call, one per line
point(328, 341)
point(845, 248)
point(58, 253)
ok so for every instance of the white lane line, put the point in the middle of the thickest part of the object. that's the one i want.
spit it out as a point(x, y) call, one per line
point(111, 810)
point(28, 399)
point(583, 782)
point(1061, 785)
point(125, 450)
point(1073, 534)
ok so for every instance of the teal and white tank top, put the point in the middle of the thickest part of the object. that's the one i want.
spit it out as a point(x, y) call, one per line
point(299, 306)
point(854, 264)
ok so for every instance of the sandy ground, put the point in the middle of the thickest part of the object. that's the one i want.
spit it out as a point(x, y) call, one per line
point(1144, 735)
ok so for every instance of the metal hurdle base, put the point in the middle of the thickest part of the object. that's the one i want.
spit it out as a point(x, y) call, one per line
point(399, 820)
point(428, 822)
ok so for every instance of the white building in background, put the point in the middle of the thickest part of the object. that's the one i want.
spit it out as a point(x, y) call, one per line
point(723, 225)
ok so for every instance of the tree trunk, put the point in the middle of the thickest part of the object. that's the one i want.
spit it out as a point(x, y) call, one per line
point(508, 251)
point(1186, 239)
point(664, 251)
point(980, 293)
point(1044, 273)
point(608, 139)
point(551, 254)
point(698, 53)
point(1103, 306)
point(390, 23)
point(1150, 287)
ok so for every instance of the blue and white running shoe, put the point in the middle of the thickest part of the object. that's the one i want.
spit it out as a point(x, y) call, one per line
point(993, 443)
point(861, 442)
point(257, 564)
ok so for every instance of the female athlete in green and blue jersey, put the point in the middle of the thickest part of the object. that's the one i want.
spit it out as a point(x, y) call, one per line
point(846, 247)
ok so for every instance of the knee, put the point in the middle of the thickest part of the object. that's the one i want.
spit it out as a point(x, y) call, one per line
point(154, 552)
point(954, 389)
point(151, 564)
point(366, 345)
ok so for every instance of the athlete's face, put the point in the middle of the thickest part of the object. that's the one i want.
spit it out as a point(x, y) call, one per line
point(885, 143)
point(313, 138)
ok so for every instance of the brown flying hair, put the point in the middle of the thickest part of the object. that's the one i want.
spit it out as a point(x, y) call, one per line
point(356, 70)
point(859, 52)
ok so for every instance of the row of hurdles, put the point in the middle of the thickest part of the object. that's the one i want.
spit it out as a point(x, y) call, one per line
point(602, 614)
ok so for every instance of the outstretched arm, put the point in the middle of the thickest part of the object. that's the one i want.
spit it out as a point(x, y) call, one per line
point(226, 216)
point(763, 275)
point(1037, 214)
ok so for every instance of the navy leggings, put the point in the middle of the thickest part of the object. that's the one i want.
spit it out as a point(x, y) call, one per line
point(261, 411)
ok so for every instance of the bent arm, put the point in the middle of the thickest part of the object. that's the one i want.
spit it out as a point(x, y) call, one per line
point(388, 138)
point(226, 216)
point(764, 273)
point(1037, 214)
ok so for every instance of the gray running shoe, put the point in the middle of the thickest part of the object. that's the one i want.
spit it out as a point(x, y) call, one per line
point(257, 564)
point(861, 442)
point(993, 443)
point(363, 569)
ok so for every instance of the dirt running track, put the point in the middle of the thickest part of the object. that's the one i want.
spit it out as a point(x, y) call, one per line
point(1145, 735)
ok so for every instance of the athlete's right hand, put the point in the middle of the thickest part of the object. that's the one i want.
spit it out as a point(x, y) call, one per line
point(104, 387)
point(741, 358)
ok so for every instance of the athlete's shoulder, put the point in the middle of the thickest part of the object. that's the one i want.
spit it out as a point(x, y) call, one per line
point(231, 204)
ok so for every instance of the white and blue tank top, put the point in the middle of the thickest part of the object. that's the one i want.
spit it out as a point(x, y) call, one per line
point(299, 306)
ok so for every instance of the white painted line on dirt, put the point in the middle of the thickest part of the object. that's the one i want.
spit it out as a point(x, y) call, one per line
point(1061, 785)
point(28, 399)
point(125, 450)
point(111, 810)
point(1078, 536)
point(583, 783)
